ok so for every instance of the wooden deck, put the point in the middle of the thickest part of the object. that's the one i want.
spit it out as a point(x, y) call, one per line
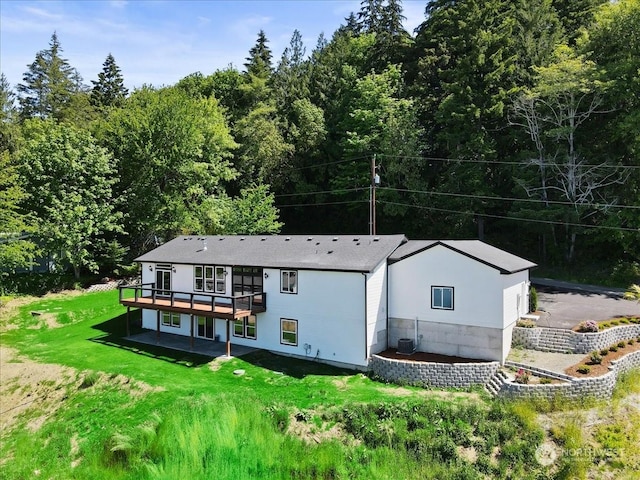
point(219, 306)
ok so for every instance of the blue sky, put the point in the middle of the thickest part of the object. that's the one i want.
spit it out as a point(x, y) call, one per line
point(158, 42)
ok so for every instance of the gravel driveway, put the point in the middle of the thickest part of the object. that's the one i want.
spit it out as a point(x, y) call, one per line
point(566, 304)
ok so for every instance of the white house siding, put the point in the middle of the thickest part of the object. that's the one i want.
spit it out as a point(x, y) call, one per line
point(330, 310)
point(329, 307)
point(473, 329)
point(515, 304)
point(377, 309)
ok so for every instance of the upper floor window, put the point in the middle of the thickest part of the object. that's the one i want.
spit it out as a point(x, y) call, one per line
point(209, 279)
point(247, 280)
point(442, 298)
point(289, 281)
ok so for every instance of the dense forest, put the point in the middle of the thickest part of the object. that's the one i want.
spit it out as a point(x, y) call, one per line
point(513, 121)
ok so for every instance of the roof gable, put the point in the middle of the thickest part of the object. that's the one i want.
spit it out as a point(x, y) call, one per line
point(489, 255)
point(360, 253)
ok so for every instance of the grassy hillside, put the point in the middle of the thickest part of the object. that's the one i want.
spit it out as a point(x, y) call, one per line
point(79, 401)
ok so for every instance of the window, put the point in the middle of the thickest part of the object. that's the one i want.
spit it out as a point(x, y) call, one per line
point(247, 280)
point(442, 298)
point(221, 286)
point(171, 319)
point(289, 281)
point(288, 332)
point(245, 327)
point(209, 279)
point(198, 278)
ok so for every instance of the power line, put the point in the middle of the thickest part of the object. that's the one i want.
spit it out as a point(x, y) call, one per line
point(318, 165)
point(501, 162)
point(345, 190)
point(509, 199)
point(504, 217)
point(321, 203)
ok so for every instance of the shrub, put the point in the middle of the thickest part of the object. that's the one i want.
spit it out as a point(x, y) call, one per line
point(604, 325)
point(604, 351)
point(631, 342)
point(624, 320)
point(533, 299)
point(522, 376)
point(526, 323)
point(613, 348)
point(584, 369)
point(588, 326)
point(615, 322)
point(595, 358)
point(545, 380)
point(621, 344)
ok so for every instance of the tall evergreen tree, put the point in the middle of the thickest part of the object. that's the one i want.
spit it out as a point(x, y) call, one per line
point(109, 89)
point(8, 113)
point(49, 84)
point(259, 59)
point(575, 14)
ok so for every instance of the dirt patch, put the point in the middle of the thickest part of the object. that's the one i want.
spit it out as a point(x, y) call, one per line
point(307, 427)
point(29, 386)
point(596, 370)
point(38, 390)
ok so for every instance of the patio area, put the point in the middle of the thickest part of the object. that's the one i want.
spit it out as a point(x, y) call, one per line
point(208, 348)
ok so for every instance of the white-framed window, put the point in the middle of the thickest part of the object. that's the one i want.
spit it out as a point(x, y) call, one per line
point(207, 278)
point(289, 281)
point(289, 332)
point(221, 280)
point(198, 278)
point(209, 284)
point(171, 319)
point(245, 327)
point(442, 298)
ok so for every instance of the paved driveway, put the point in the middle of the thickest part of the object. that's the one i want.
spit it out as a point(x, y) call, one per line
point(566, 304)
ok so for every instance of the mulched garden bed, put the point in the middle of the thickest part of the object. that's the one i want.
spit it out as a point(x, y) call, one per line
point(595, 370)
point(428, 357)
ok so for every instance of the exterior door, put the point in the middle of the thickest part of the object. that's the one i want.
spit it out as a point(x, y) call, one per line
point(205, 327)
point(163, 282)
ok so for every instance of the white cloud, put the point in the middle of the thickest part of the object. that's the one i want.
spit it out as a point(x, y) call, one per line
point(118, 3)
point(39, 12)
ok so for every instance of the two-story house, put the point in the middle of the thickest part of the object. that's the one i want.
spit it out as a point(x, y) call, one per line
point(337, 299)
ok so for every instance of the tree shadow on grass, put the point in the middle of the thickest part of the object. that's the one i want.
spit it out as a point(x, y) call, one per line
point(114, 333)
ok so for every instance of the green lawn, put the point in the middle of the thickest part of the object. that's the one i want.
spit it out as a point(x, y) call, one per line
point(282, 419)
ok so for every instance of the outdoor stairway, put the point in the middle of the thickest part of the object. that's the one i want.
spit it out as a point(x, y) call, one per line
point(540, 372)
point(495, 383)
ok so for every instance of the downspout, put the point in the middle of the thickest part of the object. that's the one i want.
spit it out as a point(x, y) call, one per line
point(366, 319)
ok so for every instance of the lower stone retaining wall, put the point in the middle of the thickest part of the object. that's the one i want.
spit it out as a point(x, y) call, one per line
point(559, 340)
point(577, 388)
point(431, 374)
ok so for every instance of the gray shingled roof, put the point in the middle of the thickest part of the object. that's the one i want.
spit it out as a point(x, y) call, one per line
point(359, 253)
point(503, 261)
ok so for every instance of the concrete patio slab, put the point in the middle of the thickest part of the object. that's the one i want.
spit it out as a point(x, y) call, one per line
point(201, 346)
point(554, 362)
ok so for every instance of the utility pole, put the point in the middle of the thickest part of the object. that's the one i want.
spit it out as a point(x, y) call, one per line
point(375, 181)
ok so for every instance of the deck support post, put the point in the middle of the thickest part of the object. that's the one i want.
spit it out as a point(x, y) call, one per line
point(128, 311)
point(228, 339)
point(191, 317)
point(158, 326)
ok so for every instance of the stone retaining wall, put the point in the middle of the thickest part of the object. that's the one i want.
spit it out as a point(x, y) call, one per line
point(559, 340)
point(431, 374)
point(577, 388)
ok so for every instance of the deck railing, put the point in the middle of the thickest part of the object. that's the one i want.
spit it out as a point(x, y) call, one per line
point(147, 291)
